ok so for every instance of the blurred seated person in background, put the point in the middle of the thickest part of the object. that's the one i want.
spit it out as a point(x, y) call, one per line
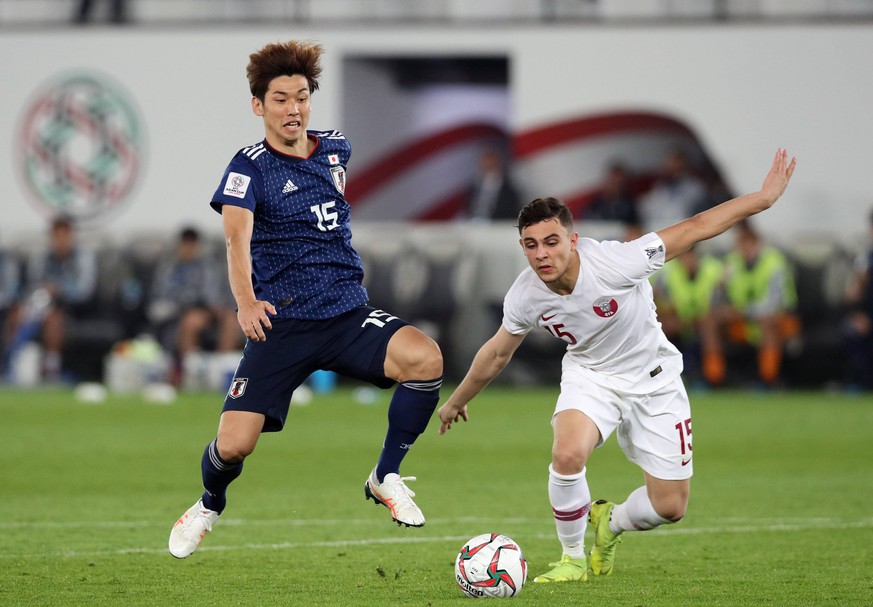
point(858, 327)
point(10, 291)
point(190, 297)
point(689, 292)
point(85, 10)
point(60, 285)
point(493, 195)
point(761, 297)
point(614, 201)
point(678, 193)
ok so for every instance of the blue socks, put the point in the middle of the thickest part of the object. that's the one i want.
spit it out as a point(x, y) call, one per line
point(217, 475)
point(410, 410)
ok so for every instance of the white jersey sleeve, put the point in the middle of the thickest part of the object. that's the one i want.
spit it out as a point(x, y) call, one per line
point(624, 264)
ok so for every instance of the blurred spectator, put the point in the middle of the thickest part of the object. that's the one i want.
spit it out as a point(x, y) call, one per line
point(117, 11)
point(858, 326)
point(190, 302)
point(614, 201)
point(677, 194)
point(10, 291)
point(493, 195)
point(761, 300)
point(60, 287)
point(689, 293)
point(717, 191)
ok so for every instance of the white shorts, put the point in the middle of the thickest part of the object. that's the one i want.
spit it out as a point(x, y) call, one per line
point(654, 430)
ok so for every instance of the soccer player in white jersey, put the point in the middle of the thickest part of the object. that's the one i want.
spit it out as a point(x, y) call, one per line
point(620, 373)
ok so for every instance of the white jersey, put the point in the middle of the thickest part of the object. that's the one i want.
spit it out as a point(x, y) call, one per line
point(609, 323)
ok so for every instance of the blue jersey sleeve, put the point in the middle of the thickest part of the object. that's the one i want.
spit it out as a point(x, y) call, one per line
point(240, 186)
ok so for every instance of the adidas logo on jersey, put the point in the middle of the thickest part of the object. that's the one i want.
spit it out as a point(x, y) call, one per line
point(289, 187)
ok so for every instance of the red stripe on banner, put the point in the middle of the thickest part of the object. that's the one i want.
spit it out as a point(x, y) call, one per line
point(447, 208)
point(571, 515)
point(540, 138)
point(396, 162)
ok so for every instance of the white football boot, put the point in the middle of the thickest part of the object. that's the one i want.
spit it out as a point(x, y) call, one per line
point(393, 493)
point(190, 529)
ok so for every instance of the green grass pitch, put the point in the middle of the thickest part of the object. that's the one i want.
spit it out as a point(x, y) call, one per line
point(780, 510)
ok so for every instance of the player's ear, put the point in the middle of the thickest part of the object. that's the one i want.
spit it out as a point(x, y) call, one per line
point(257, 106)
point(574, 240)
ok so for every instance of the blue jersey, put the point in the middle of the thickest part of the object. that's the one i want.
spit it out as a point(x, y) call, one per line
point(302, 256)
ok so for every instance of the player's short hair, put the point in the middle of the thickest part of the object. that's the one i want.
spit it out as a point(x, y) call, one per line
point(284, 59)
point(542, 209)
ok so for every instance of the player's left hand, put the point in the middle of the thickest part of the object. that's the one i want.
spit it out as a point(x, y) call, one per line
point(779, 176)
point(449, 414)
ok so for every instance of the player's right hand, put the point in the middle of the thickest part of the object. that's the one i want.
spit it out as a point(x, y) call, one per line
point(449, 414)
point(254, 320)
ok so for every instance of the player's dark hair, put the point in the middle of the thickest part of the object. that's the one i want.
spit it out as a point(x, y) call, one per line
point(542, 209)
point(284, 59)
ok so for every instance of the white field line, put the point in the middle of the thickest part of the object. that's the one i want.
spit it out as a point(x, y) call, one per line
point(236, 522)
point(774, 525)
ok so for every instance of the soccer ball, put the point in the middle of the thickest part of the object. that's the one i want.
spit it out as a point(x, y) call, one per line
point(490, 565)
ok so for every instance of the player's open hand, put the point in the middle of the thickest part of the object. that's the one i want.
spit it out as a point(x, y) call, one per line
point(254, 319)
point(779, 176)
point(450, 413)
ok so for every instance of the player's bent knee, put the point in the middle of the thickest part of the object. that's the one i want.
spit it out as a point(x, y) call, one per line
point(672, 509)
point(424, 360)
point(432, 366)
point(568, 462)
point(233, 453)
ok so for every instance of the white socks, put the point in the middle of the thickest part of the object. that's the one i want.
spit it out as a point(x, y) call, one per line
point(570, 499)
point(636, 514)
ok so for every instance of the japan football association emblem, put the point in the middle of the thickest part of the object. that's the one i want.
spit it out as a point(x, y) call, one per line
point(605, 307)
point(339, 179)
point(238, 387)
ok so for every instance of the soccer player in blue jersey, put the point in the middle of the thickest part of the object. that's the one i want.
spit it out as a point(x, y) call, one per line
point(297, 284)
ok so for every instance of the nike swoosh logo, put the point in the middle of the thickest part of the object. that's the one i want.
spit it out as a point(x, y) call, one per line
point(685, 462)
point(547, 318)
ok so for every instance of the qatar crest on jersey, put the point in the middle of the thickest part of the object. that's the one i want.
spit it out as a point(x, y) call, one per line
point(605, 307)
point(339, 179)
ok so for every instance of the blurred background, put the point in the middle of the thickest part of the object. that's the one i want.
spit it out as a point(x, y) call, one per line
point(120, 117)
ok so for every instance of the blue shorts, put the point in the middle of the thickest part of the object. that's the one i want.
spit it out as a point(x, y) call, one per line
point(353, 344)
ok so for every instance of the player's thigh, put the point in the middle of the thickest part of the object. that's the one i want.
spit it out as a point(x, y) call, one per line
point(599, 405)
point(358, 345)
point(655, 432)
point(271, 370)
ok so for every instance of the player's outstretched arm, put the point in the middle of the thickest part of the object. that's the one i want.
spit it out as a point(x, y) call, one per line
point(489, 361)
point(680, 237)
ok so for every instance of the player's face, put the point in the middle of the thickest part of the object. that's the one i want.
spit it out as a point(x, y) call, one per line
point(285, 110)
point(551, 252)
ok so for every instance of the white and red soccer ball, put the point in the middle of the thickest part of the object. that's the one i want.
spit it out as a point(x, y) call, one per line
point(490, 565)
